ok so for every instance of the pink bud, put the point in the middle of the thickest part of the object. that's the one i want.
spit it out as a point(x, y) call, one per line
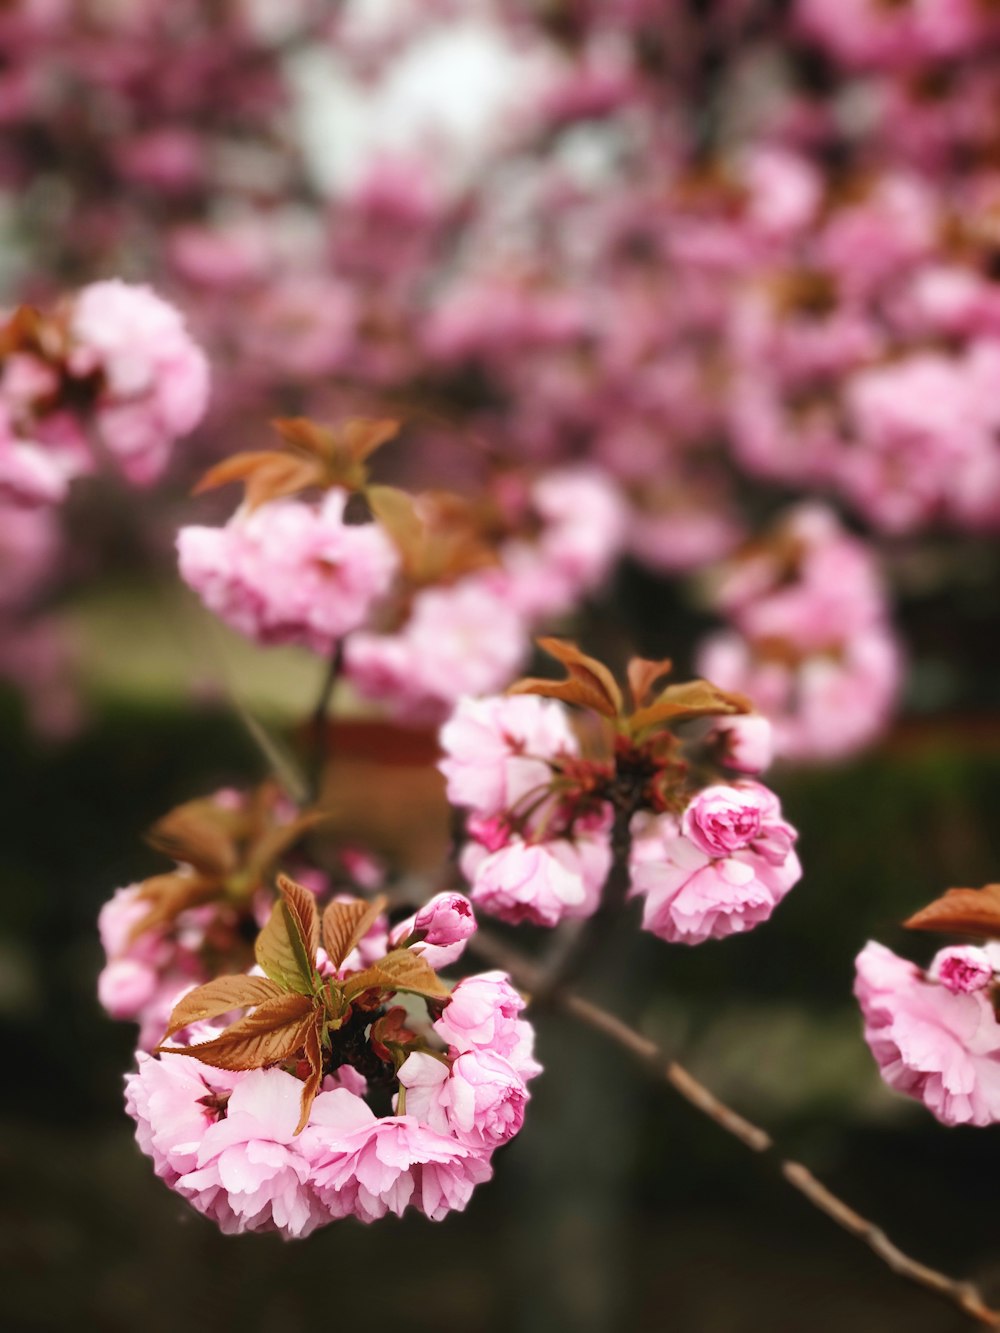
point(447, 919)
point(961, 969)
point(746, 742)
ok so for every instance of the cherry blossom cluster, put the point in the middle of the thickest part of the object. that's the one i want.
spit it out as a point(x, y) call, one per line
point(432, 597)
point(705, 845)
point(330, 1098)
point(109, 375)
point(934, 1031)
point(810, 640)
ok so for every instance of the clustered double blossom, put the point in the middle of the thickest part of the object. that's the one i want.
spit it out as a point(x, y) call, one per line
point(934, 1031)
point(110, 376)
point(349, 1088)
point(429, 596)
point(661, 802)
point(810, 639)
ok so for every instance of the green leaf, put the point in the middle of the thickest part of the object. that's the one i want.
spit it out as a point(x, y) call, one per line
point(286, 947)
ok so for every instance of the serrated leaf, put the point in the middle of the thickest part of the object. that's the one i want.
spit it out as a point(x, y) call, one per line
point(962, 912)
point(272, 1034)
point(401, 970)
point(590, 684)
point(274, 842)
point(397, 513)
point(643, 674)
point(168, 896)
point(345, 924)
point(198, 834)
point(363, 435)
point(286, 947)
point(219, 997)
point(314, 1059)
point(693, 698)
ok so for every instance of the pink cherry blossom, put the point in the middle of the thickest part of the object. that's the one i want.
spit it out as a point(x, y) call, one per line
point(462, 639)
point(167, 1100)
point(745, 741)
point(363, 1166)
point(939, 1047)
point(496, 750)
point(290, 571)
point(483, 1014)
point(250, 1171)
point(692, 894)
point(154, 378)
point(962, 968)
point(480, 1099)
point(446, 923)
point(544, 882)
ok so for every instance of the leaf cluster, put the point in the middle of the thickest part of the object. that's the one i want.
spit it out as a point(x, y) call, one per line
point(295, 1012)
point(222, 853)
point(590, 684)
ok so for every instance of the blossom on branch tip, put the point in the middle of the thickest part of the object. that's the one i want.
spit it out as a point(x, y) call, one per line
point(939, 1045)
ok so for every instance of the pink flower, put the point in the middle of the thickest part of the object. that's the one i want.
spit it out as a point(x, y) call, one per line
point(462, 639)
point(545, 882)
point(290, 572)
point(480, 1099)
point(143, 978)
point(250, 1172)
point(166, 1099)
point(154, 378)
point(483, 1014)
point(367, 1167)
point(939, 1047)
point(496, 750)
point(746, 742)
point(721, 820)
point(446, 923)
point(962, 969)
point(693, 894)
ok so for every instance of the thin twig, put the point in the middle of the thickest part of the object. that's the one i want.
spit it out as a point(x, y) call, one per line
point(527, 975)
point(317, 731)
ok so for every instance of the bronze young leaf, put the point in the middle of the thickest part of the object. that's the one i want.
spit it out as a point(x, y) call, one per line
point(962, 912)
point(275, 1032)
point(344, 924)
point(400, 970)
point(219, 997)
point(590, 683)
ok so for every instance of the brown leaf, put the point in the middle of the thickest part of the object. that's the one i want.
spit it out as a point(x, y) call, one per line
point(273, 1033)
point(397, 513)
point(693, 698)
point(400, 970)
point(198, 834)
point(286, 947)
point(274, 841)
point(314, 1059)
point(643, 674)
point(363, 435)
point(219, 997)
point(962, 912)
point(590, 684)
point(344, 924)
point(168, 896)
point(267, 474)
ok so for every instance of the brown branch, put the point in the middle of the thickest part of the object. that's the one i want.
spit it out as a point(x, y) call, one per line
point(528, 975)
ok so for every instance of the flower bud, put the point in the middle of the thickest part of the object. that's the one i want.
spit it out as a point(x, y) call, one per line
point(961, 969)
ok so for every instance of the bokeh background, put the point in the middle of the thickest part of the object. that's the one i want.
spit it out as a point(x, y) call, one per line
point(229, 154)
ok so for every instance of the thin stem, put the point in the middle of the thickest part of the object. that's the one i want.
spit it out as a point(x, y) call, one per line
point(529, 976)
point(317, 730)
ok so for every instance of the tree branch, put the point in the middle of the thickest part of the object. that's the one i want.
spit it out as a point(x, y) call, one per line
point(528, 976)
